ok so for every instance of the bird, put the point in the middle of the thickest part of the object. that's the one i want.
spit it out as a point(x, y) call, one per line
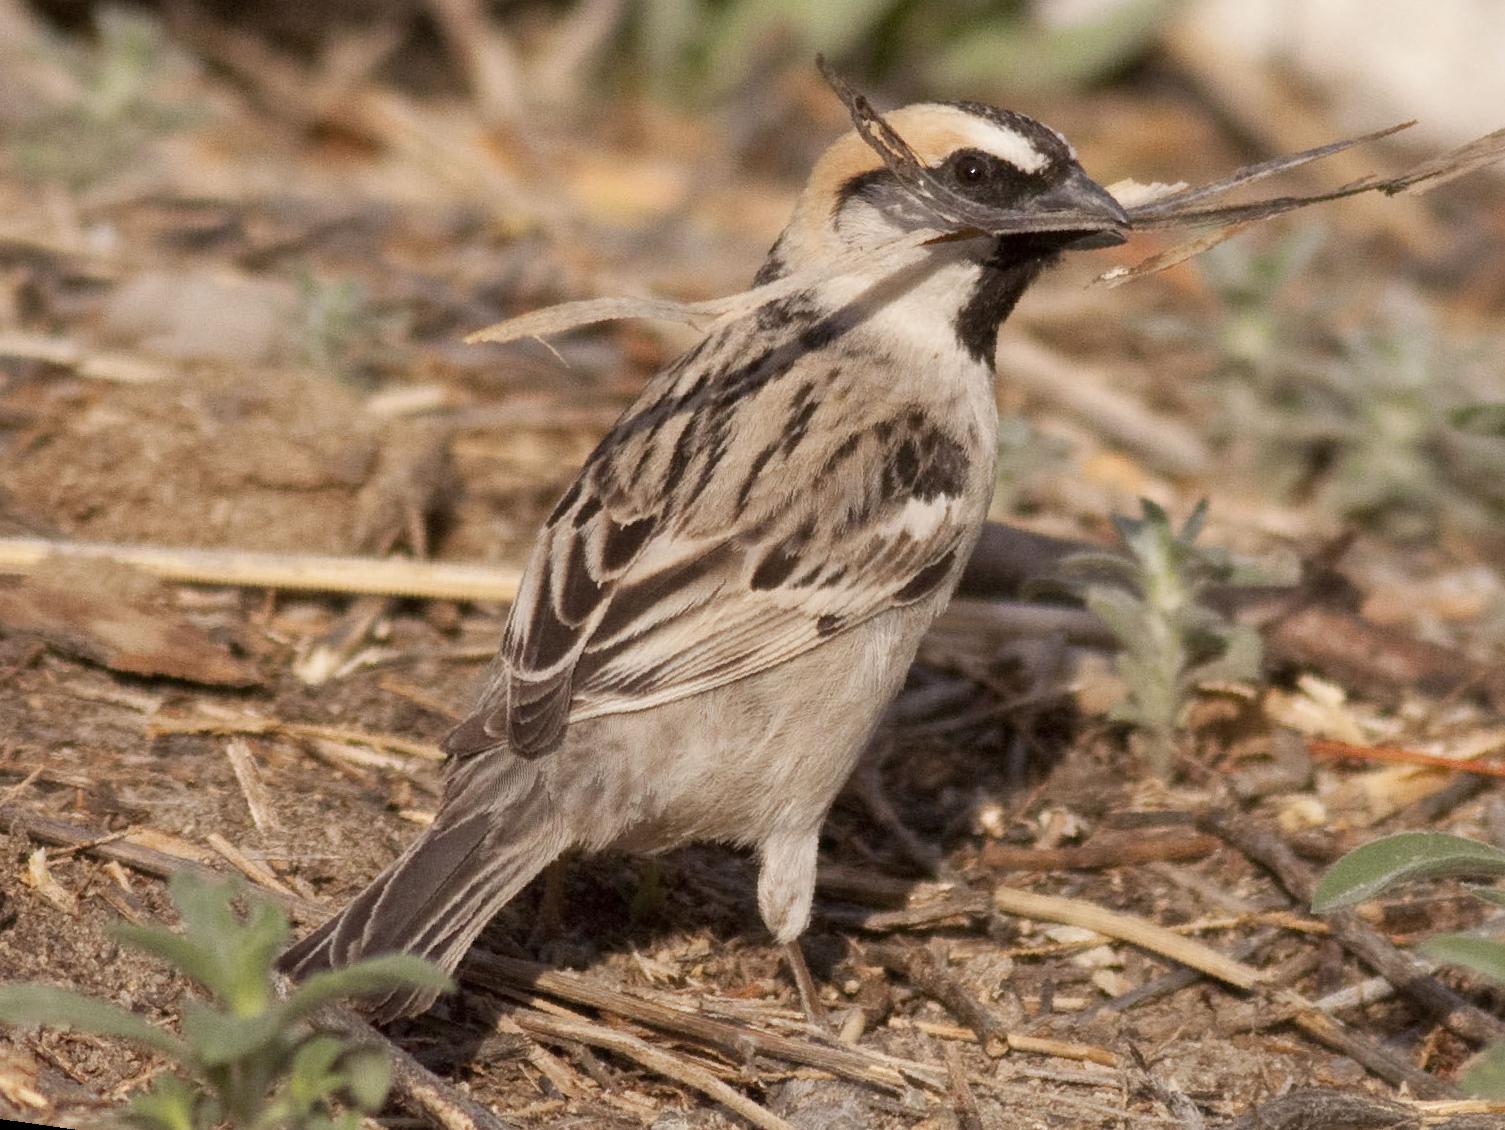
point(720, 608)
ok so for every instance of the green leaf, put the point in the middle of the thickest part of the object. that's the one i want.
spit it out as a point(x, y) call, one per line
point(1482, 419)
point(1485, 1077)
point(59, 1008)
point(1484, 955)
point(170, 1104)
point(1153, 689)
point(1194, 522)
point(1029, 55)
point(252, 955)
point(1243, 650)
point(229, 956)
point(204, 905)
point(1368, 870)
point(368, 1077)
point(313, 1077)
point(379, 974)
point(223, 1037)
point(1095, 564)
point(182, 953)
point(1495, 895)
point(1123, 613)
point(350, 1120)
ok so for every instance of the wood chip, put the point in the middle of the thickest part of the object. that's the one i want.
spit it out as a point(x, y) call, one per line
point(252, 787)
point(258, 873)
point(38, 876)
point(108, 614)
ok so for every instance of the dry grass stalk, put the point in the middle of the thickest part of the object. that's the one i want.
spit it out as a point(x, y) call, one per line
point(252, 787)
point(503, 973)
point(564, 1077)
point(558, 1028)
point(739, 1041)
point(1128, 928)
point(1017, 1042)
point(258, 873)
point(93, 364)
point(275, 727)
point(1328, 747)
point(305, 572)
point(969, 1116)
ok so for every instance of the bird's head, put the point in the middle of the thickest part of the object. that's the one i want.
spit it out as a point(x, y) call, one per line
point(998, 159)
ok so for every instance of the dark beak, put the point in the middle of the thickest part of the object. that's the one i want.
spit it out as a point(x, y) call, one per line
point(1080, 198)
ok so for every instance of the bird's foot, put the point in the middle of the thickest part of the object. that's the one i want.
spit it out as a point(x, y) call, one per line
point(804, 985)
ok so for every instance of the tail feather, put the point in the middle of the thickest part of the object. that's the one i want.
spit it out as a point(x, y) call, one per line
point(438, 895)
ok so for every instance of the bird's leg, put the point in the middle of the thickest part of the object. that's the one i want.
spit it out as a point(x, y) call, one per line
point(786, 889)
point(804, 985)
point(550, 921)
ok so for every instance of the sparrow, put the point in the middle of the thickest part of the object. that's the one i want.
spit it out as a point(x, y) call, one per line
point(717, 613)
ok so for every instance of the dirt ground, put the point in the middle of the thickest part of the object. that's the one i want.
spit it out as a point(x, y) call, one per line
point(243, 330)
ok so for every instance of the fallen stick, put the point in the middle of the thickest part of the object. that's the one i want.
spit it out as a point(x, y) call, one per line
point(306, 572)
point(1128, 928)
point(929, 914)
point(1108, 850)
point(147, 860)
point(1328, 747)
point(1319, 1107)
point(968, 1114)
point(277, 727)
point(917, 966)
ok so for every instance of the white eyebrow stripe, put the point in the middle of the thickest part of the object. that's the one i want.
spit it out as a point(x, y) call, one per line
point(1003, 142)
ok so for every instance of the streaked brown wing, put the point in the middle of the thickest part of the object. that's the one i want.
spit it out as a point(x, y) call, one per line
point(624, 607)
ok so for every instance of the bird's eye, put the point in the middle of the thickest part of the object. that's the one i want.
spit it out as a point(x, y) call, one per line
point(971, 170)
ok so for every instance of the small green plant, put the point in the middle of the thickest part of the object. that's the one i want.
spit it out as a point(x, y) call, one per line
point(120, 97)
point(1026, 456)
point(339, 325)
point(1171, 643)
point(708, 47)
point(1372, 414)
point(247, 1060)
point(1375, 867)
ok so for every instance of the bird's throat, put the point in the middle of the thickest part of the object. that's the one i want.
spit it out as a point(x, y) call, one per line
point(998, 289)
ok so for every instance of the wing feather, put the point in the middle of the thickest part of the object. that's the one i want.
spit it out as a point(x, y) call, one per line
point(671, 568)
